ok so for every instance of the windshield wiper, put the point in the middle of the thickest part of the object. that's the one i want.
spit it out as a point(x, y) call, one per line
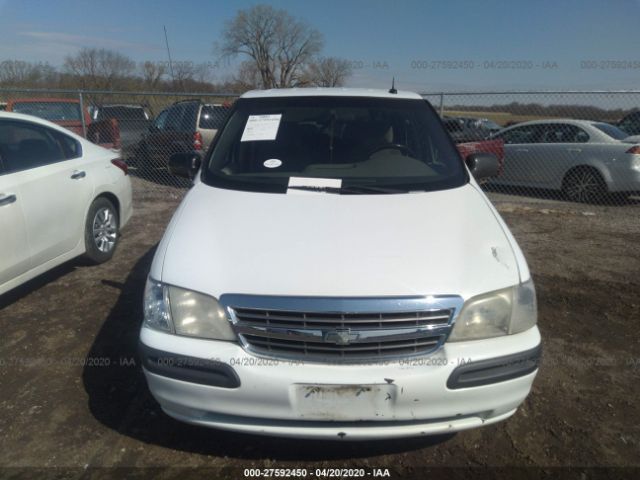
point(371, 189)
point(352, 189)
point(311, 188)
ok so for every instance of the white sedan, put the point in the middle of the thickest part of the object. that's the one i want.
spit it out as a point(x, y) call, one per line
point(60, 197)
point(584, 159)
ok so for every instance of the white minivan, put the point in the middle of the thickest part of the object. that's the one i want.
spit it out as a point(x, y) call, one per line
point(336, 272)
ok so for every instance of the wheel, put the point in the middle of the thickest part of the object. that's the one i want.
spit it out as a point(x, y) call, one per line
point(584, 185)
point(101, 231)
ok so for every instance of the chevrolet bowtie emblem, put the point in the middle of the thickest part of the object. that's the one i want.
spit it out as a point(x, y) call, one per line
point(340, 336)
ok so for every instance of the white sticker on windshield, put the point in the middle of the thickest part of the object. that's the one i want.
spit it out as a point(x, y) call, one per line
point(261, 127)
point(315, 182)
point(272, 163)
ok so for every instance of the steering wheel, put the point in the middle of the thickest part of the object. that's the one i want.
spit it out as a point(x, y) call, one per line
point(406, 151)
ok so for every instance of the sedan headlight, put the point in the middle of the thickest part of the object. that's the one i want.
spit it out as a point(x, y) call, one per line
point(184, 312)
point(503, 312)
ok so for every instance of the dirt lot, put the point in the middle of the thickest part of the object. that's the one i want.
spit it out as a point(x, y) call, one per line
point(61, 406)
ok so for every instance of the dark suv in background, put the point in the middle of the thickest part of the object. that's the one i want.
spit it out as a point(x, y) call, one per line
point(631, 123)
point(185, 126)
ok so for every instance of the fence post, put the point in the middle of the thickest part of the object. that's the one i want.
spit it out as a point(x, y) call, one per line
point(82, 117)
point(441, 109)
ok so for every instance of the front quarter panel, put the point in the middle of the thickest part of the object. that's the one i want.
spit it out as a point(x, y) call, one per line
point(158, 259)
point(521, 261)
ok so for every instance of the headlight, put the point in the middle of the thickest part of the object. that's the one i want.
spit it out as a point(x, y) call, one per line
point(156, 307)
point(525, 307)
point(183, 312)
point(504, 312)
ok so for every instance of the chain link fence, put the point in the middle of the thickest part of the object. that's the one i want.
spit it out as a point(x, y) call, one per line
point(146, 128)
point(561, 146)
point(567, 146)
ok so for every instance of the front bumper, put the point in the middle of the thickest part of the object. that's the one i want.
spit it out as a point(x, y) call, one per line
point(312, 400)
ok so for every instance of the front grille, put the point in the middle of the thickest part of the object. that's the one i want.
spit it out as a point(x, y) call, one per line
point(355, 351)
point(341, 329)
point(342, 320)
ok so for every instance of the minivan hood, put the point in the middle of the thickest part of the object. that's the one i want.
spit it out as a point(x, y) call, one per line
point(318, 244)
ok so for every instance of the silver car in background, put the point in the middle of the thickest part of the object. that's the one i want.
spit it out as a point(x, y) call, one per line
point(585, 159)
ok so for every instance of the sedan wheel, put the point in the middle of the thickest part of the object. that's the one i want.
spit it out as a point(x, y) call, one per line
point(105, 230)
point(101, 233)
point(585, 186)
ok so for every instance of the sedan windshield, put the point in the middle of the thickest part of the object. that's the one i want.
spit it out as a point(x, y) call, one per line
point(52, 111)
point(367, 145)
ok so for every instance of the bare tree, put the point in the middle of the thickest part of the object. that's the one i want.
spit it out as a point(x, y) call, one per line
point(248, 77)
point(183, 72)
point(278, 44)
point(203, 72)
point(327, 72)
point(16, 73)
point(152, 73)
point(99, 68)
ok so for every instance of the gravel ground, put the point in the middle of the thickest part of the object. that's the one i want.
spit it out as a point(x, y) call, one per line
point(64, 410)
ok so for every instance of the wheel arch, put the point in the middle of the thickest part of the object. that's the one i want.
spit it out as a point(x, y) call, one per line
point(113, 199)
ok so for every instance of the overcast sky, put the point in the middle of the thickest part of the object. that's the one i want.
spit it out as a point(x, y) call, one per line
point(426, 45)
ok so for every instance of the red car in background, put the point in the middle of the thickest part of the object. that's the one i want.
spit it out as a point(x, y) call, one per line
point(67, 113)
point(474, 135)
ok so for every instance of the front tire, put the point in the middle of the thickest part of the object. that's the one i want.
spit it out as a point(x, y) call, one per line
point(584, 185)
point(101, 231)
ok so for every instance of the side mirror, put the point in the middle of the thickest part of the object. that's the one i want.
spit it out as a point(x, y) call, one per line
point(185, 164)
point(482, 165)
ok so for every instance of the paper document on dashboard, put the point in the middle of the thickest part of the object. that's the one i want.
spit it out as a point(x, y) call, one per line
point(261, 127)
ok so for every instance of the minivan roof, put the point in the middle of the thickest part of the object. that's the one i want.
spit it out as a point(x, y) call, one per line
point(330, 92)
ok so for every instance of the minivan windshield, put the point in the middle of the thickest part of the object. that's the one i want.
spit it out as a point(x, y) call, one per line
point(371, 145)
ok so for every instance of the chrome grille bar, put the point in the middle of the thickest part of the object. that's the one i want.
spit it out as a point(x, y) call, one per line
point(380, 320)
point(343, 329)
